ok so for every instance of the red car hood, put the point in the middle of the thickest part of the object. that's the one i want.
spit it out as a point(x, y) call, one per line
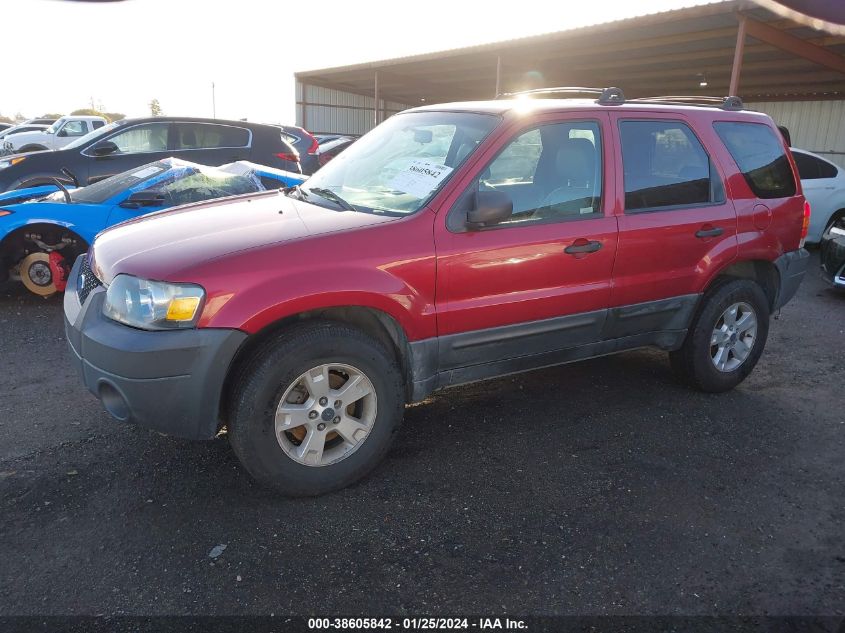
point(159, 245)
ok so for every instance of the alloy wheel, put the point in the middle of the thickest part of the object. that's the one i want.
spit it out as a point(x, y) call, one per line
point(326, 414)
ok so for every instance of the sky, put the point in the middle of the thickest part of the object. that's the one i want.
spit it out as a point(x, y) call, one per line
point(61, 55)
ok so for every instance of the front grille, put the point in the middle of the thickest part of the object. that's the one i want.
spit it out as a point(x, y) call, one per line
point(86, 281)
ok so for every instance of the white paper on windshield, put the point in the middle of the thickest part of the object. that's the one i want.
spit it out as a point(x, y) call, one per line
point(146, 172)
point(420, 178)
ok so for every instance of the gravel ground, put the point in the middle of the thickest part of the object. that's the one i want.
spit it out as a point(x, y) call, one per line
point(602, 487)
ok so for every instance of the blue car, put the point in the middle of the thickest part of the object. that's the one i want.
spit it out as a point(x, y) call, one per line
point(43, 229)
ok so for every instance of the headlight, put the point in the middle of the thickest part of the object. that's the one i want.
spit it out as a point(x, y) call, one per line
point(153, 305)
point(11, 161)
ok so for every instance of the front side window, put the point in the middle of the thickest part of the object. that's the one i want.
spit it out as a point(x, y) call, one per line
point(83, 141)
point(75, 128)
point(812, 168)
point(208, 136)
point(401, 164)
point(551, 173)
point(665, 166)
point(151, 137)
point(760, 156)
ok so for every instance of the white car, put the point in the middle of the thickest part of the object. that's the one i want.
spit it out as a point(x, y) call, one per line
point(62, 132)
point(824, 187)
point(21, 128)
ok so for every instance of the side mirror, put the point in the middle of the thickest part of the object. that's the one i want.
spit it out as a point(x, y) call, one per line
point(104, 148)
point(491, 207)
point(141, 199)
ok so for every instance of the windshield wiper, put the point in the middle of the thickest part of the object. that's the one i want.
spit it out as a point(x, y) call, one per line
point(328, 194)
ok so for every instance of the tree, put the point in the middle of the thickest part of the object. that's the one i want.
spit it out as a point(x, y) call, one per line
point(86, 112)
point(5, 119)
point(155, 108)
point(114, 116)
point(51, 116)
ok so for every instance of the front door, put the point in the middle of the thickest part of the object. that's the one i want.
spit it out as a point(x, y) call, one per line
point(540, 280)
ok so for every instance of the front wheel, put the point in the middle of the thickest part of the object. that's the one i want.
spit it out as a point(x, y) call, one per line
point(726, 338)
point(316, 409)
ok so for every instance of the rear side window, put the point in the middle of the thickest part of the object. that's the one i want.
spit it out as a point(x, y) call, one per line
point(665, 166)
point(759, 154)
point(812, 168)
point(209, 136)
point(98, 124)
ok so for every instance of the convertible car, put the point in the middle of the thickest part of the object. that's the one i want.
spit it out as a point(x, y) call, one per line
point(43, 229)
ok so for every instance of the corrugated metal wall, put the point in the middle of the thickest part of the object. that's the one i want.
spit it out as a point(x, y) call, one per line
point(817, 126)
point(323, 110)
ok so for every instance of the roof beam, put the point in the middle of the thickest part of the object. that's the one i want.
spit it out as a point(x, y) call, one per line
point(795, 45)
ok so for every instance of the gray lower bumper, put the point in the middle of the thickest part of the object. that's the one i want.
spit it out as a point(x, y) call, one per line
point(791, 267)
point(168, 381)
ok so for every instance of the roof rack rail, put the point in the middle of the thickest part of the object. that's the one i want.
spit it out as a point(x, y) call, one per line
point(615, 96)
point(731, 102)
point(606, 96)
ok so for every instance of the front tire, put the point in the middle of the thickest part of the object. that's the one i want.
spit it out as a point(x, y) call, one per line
point(316, 409)
point(726, 338)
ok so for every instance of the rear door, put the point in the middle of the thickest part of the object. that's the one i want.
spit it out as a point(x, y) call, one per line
point(540, 281)
point(676, 224)
point(210, 143)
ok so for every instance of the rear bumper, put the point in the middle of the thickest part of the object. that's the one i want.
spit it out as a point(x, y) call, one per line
point(168, 381)
point(792, 266)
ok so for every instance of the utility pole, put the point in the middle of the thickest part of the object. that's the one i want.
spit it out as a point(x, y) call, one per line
point(213, 103)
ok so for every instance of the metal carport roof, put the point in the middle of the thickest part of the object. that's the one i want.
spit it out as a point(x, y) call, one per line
point(770, 56)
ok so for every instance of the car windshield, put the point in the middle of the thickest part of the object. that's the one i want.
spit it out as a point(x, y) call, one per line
point(84, 140)
point(52, 129)
point(401, 164)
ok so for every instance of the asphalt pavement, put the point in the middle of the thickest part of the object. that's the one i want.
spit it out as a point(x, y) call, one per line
point(602, 487)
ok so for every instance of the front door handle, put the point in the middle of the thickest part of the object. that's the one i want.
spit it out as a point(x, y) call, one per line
point(709, 231)
point(582, 246)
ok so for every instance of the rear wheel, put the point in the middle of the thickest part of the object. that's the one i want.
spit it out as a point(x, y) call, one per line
point(726, 338)
point(837, 219)
point(316, 409)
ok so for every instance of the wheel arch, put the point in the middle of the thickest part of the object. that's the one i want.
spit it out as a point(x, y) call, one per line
point(761, 271)
point(15, 235)
point(32, 147)
point(376, 323)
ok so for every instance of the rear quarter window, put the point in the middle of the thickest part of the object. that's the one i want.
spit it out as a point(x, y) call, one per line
point(760, 156)
point(811, 168)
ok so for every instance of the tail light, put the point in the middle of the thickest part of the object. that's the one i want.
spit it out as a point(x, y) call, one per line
point(289, 157)
point(805, 224)
point(322, 159)
point(314, 145)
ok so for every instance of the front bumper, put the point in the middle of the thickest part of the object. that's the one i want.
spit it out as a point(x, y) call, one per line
point(832, 253)
point(791, 267)
point(168, 381)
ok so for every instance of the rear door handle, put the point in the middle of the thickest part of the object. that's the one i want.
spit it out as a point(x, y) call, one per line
point(713, 231)
point(582, 246)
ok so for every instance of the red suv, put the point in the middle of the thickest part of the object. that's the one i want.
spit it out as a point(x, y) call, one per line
point(451, 244)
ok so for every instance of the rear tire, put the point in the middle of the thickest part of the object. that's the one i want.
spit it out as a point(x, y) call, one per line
point(726, 338)
point(277, 406)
